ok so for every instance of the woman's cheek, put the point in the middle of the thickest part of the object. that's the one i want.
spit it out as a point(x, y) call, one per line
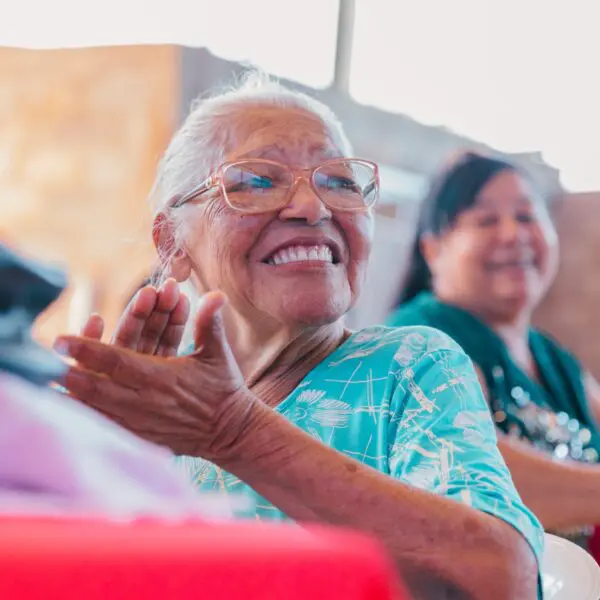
point(359, 230)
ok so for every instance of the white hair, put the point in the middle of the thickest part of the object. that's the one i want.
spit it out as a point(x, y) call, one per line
point(200, 145)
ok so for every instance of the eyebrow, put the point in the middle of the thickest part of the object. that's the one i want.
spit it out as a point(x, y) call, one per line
point(266, 151)
point(521, 200)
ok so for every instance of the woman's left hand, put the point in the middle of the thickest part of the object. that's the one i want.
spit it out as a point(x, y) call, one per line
point(197, 405)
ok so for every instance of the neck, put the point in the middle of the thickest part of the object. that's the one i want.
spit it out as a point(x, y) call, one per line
point(262, 350)
point(515, 334)
point(512, 327)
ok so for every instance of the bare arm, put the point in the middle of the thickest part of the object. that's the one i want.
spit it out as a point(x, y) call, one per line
point(592, 391)
point(198, 406)
point(425, 534)
point(561, 494)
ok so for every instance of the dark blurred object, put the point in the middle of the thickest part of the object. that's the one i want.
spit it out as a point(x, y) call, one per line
point(27, 288)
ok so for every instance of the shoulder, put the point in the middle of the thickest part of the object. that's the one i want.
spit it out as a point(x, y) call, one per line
point(422, 365)
point(418, 311)
point(426, 310)
point(398, 348)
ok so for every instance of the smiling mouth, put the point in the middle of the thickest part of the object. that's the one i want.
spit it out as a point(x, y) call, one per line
point(514, 264)
point(319, 253)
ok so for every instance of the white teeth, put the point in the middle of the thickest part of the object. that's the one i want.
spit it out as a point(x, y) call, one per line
point(302, 254)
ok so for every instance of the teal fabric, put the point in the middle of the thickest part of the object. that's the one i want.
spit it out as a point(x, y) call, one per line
point(407, 403)
point(561, 387)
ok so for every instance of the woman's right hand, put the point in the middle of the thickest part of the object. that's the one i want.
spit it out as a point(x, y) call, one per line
point(152, 323)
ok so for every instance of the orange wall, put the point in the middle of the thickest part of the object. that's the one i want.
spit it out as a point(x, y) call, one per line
point(80, 134)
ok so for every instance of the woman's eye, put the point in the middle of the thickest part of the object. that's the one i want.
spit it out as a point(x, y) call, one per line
point(342, 183)
point(487, 221)
point(259, 182)
point(251, 182)
point(525, 218)
point(493, 220)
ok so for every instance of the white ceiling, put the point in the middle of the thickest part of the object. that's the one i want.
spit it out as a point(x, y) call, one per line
point(519, 75)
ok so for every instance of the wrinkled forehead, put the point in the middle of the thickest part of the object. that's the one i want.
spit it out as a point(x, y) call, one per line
point(289, 135)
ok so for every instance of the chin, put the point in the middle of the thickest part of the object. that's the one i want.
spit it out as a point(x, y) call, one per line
point(310, 312)
point(516, 300)
point(518, 293)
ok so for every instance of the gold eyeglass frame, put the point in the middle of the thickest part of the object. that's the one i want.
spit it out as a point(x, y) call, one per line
point(308, 175)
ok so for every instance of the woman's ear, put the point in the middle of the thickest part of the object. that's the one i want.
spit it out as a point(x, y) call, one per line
point(175, 260)
point(430, 248)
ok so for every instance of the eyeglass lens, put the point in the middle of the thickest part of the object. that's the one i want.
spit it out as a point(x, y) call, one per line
point(259, 186)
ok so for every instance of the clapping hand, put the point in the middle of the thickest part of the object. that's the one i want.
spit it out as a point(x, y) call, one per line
point(196, 405)
point(152, 323)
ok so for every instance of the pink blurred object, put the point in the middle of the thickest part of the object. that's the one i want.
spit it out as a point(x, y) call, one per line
point(75, 559)
point(59, 457)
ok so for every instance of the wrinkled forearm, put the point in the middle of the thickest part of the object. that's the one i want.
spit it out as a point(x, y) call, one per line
point(438, 544)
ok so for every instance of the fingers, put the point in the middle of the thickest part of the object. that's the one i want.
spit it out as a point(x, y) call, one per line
point(130, 326)
point(158, 320)
point(100, 393)
point(154, 321)
point(171, 337)
point(209, 333)
point(94, 328)
point(91, 388)
point(127, 368)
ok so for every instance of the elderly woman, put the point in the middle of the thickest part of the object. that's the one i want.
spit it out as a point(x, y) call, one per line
point(485, 254)
point(262, 207)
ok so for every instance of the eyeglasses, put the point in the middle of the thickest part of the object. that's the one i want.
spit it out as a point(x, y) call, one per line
point(260, 185)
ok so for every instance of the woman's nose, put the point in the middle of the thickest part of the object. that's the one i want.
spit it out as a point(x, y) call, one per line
point(512, 230)
point(305, 205)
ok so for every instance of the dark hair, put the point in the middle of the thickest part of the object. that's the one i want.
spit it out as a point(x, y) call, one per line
point(454, 191)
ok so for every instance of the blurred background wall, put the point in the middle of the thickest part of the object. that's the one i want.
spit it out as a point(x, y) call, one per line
point(81, 130)
point(80, 134)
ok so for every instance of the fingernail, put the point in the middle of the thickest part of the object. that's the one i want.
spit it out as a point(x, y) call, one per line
point(61, 347)
point(75, 377)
